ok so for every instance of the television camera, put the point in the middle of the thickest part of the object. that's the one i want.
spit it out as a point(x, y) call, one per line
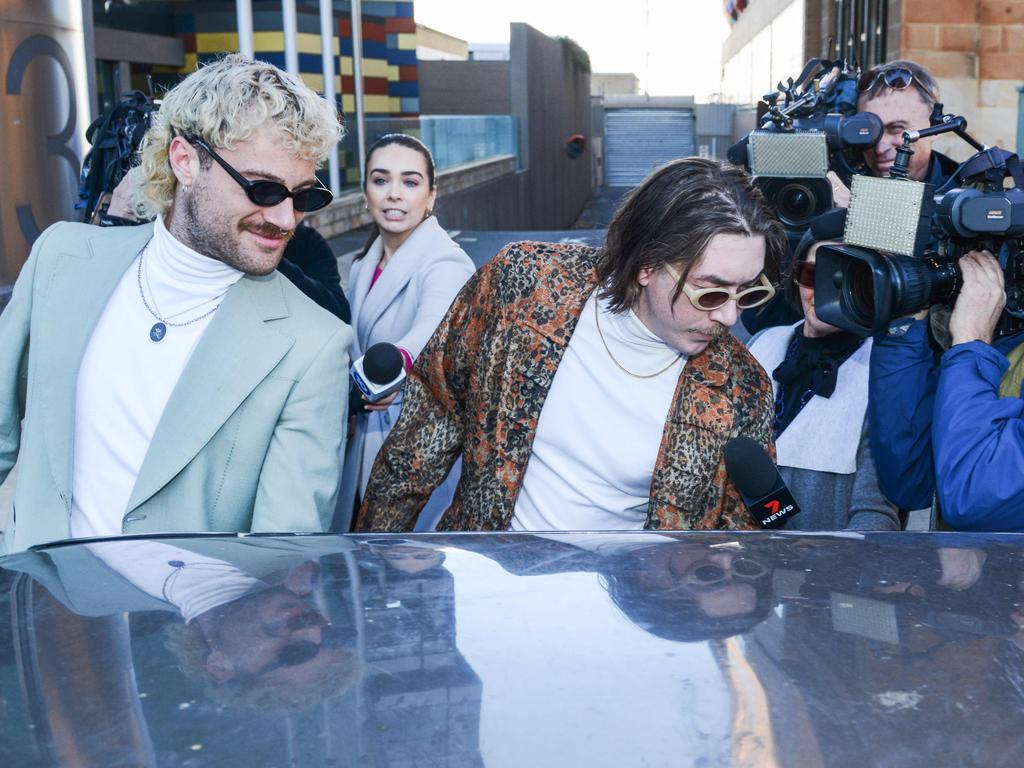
point(903, 239)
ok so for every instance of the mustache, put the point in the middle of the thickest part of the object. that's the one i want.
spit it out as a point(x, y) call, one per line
point(269, 230)
point(716, 331)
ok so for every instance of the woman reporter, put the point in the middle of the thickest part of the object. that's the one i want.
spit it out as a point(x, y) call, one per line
point(400, 286)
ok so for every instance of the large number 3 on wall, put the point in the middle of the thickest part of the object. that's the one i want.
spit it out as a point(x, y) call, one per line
point(56, 144)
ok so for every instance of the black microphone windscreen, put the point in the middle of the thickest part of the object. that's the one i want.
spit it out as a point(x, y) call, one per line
point(750, 467)
point(382, 363)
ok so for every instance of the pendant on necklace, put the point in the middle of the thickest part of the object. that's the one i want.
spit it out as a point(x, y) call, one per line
point(157, 332)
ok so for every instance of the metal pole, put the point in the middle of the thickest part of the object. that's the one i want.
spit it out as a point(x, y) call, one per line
point(291, 45)
point(327, 59)
point(243, 12)
point(357, 76)
point(1020, 120)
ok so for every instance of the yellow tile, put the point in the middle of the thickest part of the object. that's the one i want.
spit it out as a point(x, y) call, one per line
point(375, 68)
point(313, 80)
point(307, 42)
point(346, 65)
point(348, 104)
point(216, 42)
point(393, 74)
point(377, 104)
point(268, 41)
point(190, 63)
point(407, 41)
point(394, 104)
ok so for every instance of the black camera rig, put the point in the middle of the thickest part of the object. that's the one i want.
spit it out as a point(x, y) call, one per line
point(806, 128)
point(903, 239)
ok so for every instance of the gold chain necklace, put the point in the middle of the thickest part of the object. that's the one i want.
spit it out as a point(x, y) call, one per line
point(597, 319)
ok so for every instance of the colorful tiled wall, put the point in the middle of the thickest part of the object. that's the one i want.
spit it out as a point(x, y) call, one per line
point(390, 73)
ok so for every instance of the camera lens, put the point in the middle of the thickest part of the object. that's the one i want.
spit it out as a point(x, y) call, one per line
point(862, 289)
point(796, 202)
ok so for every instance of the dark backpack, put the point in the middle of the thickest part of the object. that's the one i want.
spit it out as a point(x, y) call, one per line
point(115, 137)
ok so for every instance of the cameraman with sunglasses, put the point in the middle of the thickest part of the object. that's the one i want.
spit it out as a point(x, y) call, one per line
point(944, 405)
point(595, 389)
point(902, 94)
point(164, 377)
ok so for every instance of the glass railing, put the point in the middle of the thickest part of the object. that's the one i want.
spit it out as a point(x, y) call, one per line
point(453, 139)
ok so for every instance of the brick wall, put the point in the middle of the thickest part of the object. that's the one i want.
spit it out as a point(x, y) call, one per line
point(975, 48)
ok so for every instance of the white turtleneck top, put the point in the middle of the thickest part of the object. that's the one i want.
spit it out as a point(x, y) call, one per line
point(126, 379)
point(600, 429)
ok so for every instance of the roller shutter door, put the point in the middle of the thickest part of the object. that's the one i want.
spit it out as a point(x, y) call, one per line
point(639, 140)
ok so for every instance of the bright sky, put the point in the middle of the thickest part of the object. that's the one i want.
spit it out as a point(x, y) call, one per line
point(673, 46)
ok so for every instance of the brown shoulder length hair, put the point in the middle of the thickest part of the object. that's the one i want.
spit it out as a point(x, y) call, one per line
point(672, 216)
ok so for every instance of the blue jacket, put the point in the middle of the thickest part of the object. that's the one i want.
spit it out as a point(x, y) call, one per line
point(934, 415)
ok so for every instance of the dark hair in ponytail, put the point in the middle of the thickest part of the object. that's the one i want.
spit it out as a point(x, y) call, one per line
point(403, 140)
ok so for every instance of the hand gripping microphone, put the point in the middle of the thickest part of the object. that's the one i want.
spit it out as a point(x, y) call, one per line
point(765, 496)
point(380, 371)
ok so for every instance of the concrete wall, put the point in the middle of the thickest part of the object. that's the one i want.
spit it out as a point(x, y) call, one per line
point(551, 98)
point(549, 93)
point(464, 88)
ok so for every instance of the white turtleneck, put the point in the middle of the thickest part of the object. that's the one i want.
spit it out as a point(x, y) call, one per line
point(600, 429)
point(126, 379)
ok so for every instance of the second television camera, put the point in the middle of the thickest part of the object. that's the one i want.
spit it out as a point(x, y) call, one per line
point(903, 240)
point(809, 126)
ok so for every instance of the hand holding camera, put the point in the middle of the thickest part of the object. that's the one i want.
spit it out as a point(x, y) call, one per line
point(981, 299)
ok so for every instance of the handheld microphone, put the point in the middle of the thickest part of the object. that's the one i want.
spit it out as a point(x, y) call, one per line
point(765, 496)
point(380, 371)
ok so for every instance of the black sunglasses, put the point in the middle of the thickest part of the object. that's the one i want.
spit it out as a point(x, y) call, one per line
point(268, 193)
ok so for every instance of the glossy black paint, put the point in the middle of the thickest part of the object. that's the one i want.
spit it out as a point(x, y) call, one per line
point(751, 649)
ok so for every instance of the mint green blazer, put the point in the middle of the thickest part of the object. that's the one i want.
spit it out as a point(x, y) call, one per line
point(252, 435)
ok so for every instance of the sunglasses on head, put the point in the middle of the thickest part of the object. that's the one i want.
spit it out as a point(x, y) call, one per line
point(803, 274)
point(896, 78)
point(709, 299)
point(269, 193)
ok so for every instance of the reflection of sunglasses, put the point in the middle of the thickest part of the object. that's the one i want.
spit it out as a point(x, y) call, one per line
point(270, 193)
point(803, 274)
point(401, 554)
point(292, 655)
point(710, 574)
point(896, 78)
point(709, 299)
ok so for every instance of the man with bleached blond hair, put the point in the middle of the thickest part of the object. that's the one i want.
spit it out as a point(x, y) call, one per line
point(165, 378)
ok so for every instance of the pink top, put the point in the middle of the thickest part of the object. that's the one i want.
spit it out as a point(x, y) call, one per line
point(405, 355)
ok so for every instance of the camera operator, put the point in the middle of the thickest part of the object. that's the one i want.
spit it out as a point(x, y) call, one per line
point(978, 422)
point(902, 94)
point(904, 359)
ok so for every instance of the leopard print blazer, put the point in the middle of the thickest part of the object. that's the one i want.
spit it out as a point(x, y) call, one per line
point(478, 387)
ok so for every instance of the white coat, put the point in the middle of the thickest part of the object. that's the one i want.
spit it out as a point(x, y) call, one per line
point(404, 307)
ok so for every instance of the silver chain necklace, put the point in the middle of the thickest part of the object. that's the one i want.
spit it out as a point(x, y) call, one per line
point(159, 328)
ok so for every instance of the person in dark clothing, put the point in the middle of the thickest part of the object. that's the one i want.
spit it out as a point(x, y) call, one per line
point(905, 358)
point(820, 382)
point(312, 267)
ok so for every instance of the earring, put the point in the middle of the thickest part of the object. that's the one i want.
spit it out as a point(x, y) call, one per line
point(429, 213)
point(184, 188)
